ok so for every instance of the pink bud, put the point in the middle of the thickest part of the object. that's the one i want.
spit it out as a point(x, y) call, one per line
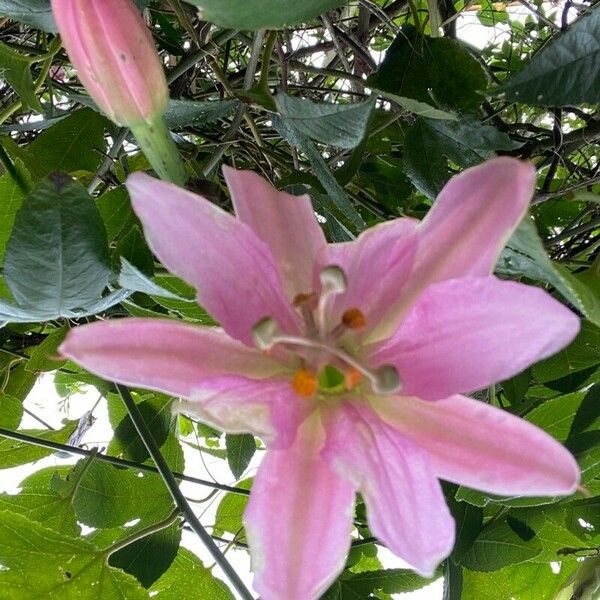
point(114, 54)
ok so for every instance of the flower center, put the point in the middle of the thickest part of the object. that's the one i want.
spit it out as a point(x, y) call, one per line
point(326, 365)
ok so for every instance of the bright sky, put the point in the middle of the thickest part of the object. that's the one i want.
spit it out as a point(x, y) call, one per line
point(44, 402)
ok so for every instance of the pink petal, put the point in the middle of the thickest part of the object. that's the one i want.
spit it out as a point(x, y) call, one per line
point(483, 447)
point(233, 270)
point(467, 227)
point(298, 520)
point(465, 334)
point(377, 266)
point(286, 223)
point(161, 354)
point(405, 504)
point(268, 408)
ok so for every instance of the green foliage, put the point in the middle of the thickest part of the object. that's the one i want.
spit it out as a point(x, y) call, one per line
point(240, 450)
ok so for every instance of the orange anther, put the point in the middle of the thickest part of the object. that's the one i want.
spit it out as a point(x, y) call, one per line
point(352, 378)
point(311, 300)
point(354, 318)
point(304, 383)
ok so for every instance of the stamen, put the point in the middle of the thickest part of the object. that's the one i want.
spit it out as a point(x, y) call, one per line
point(333, 282)
point(307, 303)
point(354, 318)
point(265, 333)
point(352, 378)
point(304, 383)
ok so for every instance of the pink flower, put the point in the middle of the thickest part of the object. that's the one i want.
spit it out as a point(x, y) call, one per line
point(115, 57)
point(350, 361)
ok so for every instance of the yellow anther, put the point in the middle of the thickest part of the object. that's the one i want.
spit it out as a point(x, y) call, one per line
point(354, 318)
point(304, 383)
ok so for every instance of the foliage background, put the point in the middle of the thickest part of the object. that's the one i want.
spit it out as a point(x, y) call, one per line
point(366, 108)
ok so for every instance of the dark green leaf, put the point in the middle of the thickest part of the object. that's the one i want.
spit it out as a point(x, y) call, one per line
point(341, 125)
point(185, 113)
point(567, 71)
point(240, 450)
point(45, 357)
point(36, 13)
point(262, 14)
point(15, 68)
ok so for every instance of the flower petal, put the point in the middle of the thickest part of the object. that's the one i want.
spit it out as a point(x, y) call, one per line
point(233, 270)
point(286, 223)
point(268, 408)
point(298, 520)
point(405, 504)
point(467, 227)
point(473, 218)
point(161, 355)
point(377, 266)
point(465, 334)
point(483, 447)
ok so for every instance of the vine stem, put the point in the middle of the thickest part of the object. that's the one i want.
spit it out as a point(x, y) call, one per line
point(178, 497)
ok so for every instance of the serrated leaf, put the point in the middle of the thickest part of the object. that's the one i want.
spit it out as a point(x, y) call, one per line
point(42, 563)
point(188, 578)
point(567, 71)
point(240, 450)
point(262, 14)
point(341, 125)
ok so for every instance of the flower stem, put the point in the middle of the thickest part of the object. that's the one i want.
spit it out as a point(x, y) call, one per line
point(171, 483)
point(155, 140)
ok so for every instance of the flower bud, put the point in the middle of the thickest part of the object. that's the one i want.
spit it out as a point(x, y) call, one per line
point(115, 57)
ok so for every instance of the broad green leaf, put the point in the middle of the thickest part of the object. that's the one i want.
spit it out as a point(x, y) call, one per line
point(230, 512)
point(147, 559)
point(421, 109)
point(134, 280)
point(110, 497)
point(15, 68)
point(11, 411)
point(498, 546)
point(38, 502)
point(56, 258)
point(44, 356)
point(341, 125)
point(188, 578)
point(469, 520)
point(567, 71)
point(42, 563)
point(240, 450)
point(116, 212)
point(528, 581)
point(431, 69)
point(525, 255)
point(36, 13)
point(74, 144)
point(13, 453)
point(185, 113)
point(12, 198)
point(262, 14)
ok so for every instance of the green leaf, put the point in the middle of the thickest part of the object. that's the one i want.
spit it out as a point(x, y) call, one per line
point(13, 453)
point(44, 356)
point(453, 581)
point(74, 144)
point(185, 113)
point(262, 14)
point(497, 546)
point(516, 387)
point(341, 125)
point(110, 497)
point(421, 109)
point(188, 578)
point(116, 212)
point(423, 68)
point(230, 512)
point(11, 411)
point(469, 520)
point(57, 257)
point(134, 280)
point(12, 199)
point(15, 68)
point(42, 563)
point(37, 501)
point(240, 450)
point(147, 559)
point(565, 72)
point(36, 13)
point(525, 255)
